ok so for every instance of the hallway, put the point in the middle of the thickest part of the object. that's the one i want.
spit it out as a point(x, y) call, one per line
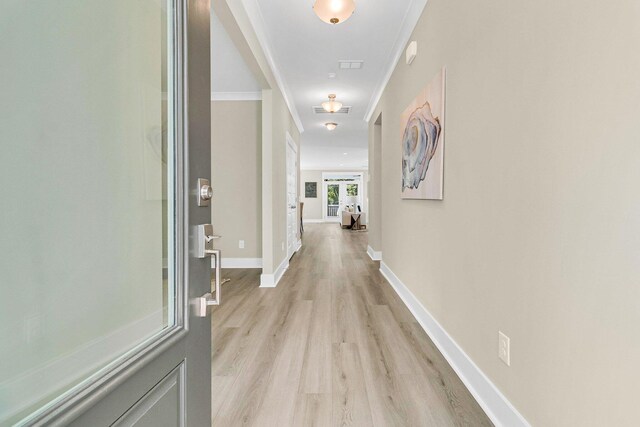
point(331, 345)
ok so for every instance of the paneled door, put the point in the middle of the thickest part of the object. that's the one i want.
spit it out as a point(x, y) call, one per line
point(292, 197)
point(100, 158)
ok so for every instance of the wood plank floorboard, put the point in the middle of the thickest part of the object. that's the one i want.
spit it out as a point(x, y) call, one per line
point(331, 345)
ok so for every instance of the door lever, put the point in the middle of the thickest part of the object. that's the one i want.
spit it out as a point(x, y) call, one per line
point(207, 299)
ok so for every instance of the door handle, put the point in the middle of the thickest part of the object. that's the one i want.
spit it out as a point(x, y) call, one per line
point(202, 303)
point(204, 249)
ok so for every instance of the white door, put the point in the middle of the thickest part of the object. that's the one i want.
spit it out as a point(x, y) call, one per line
point(333, 201)
point(292, 197)
point(98, 177)
point(340, 193)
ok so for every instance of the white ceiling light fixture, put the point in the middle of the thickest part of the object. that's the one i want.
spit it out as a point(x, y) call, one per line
point(334, 11)
point(332, 106)
point(331, 126)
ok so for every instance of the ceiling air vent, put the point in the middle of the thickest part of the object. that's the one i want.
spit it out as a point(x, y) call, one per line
point(350, 64)
point(319, 110)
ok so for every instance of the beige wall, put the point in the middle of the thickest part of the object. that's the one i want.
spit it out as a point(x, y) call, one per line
point(538, 233)
point(375, 184)
point(277, 122)
point(313, 207)
point(236, 157)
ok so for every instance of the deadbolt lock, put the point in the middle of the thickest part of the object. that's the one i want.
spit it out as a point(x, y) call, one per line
point(205, 192)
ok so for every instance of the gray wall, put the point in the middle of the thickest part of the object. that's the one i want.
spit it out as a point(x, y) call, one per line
point(538, 233)
point(236, 162)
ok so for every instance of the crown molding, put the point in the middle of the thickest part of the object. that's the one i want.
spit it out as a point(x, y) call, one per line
point(257, 22)
point(236, 96)
point(409, 22)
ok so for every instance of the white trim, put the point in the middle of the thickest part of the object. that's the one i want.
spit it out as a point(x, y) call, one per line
point(411, 17)
point(236, 96)
point(313, 221)
point(493, 402)
point(298, 245)
point(257, 22)
point(240, 262)
point(291, 144)
point(374, 255)
point(271, 280)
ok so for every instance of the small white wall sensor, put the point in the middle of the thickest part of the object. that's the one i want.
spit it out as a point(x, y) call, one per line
point(412, 51)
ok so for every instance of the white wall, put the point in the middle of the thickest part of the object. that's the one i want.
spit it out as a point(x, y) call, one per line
point(538, 233)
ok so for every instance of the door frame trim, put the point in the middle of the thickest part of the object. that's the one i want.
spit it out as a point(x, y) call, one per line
point(325, 200)
point(74, 402)
point(291, 144)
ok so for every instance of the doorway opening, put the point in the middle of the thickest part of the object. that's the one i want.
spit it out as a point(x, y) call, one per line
point(341, 191)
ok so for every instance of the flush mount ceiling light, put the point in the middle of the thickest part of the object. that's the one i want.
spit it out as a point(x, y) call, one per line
point(331, 125)
point(332, 106)
point(334, 11)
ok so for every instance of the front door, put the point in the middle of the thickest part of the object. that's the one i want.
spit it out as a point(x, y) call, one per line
point(99, 161)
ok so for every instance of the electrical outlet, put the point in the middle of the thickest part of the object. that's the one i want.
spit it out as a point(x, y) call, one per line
point(241, 244)
point(504, 348)
point(282, 244)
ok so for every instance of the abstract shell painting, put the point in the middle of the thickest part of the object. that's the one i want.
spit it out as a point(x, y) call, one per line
point(422, 127)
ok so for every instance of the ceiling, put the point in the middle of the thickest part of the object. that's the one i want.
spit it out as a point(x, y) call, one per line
point(303, 51)
point(229, 72)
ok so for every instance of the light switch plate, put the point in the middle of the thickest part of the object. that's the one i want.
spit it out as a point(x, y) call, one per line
point(504, 348)
point(241, 244)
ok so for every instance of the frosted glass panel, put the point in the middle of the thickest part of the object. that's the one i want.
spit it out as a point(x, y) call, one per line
point(86, 264)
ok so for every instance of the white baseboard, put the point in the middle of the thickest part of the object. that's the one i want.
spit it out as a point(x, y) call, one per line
point(241, 262)
point(374, 255)
point(313, 221)
point(271, 280)
point(493, 402)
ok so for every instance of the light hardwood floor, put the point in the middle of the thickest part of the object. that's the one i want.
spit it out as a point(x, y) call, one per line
point(332, 345)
